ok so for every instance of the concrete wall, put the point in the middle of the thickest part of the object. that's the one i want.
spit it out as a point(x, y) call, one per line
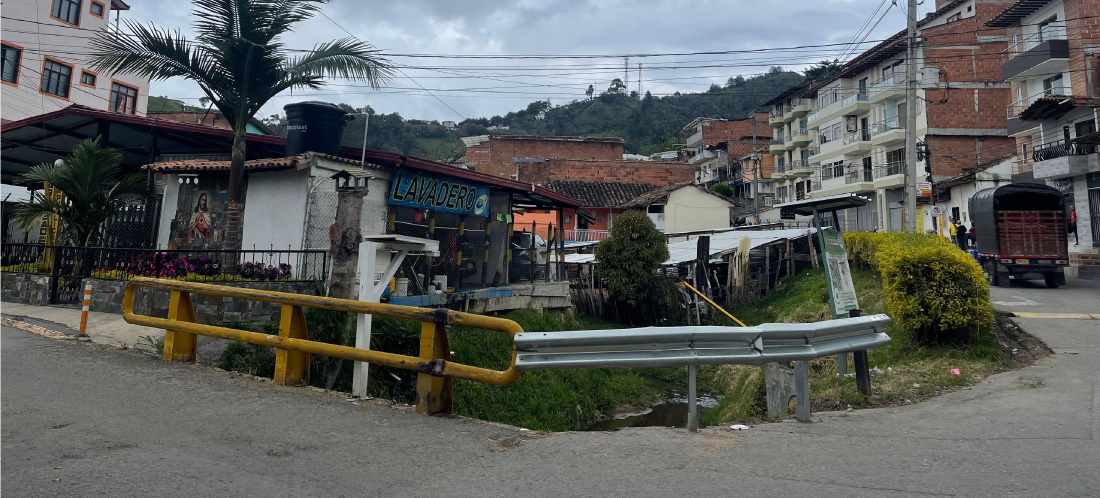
point(274, 215)
point(42, 36)
point(26, 288)
point(690, 209)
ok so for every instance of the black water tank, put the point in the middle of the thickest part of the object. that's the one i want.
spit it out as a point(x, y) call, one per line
point(314, 126)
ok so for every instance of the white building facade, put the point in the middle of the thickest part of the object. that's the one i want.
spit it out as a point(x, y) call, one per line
point(46, 44)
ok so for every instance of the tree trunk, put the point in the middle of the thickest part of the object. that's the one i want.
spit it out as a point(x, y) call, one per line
point(234, 212)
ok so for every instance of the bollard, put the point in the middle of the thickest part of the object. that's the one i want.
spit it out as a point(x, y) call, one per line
point(84, 310)
point(693, 406)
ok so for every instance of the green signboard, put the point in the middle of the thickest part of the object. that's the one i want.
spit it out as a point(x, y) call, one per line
point(842, 292)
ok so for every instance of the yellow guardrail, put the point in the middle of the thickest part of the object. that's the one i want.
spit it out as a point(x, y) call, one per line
point(293, 347)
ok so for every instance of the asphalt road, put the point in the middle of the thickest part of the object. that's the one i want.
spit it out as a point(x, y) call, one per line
point(79, 420)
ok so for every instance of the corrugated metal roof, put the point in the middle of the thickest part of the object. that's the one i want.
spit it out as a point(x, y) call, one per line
point(721, 244)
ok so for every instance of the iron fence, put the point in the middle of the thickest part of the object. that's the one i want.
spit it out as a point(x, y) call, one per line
point(69, 265)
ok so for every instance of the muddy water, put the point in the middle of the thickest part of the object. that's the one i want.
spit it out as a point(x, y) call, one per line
point(670, 412)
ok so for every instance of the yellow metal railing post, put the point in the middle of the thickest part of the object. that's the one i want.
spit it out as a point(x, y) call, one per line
point(434, 394)
point(292, 367)
point(180, 346)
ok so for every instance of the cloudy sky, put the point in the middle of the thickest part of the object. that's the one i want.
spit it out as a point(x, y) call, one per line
point(450, 88)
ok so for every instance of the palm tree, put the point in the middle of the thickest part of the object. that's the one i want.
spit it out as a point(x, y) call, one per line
point(93, 192)
point(239, 62)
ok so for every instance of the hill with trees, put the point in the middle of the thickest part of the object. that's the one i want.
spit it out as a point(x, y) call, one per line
point(648, 123)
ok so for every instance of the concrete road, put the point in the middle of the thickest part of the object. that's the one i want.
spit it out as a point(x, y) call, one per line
point(82, 421)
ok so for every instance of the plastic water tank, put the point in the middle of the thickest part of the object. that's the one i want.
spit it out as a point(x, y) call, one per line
point(314, 126)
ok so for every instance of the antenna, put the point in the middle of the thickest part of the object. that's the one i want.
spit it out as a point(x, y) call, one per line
point(639, 79)
point(626, 72)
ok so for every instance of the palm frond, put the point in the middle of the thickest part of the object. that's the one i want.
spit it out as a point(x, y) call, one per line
point(344, 58)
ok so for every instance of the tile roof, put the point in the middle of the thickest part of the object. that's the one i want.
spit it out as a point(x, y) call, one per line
point(599, 194)
point(660, 194)
point(297, 161)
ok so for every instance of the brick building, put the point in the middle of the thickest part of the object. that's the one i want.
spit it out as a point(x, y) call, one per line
point(1051, 66)
point(846, 134)
point(657, 173)
point(501, 155)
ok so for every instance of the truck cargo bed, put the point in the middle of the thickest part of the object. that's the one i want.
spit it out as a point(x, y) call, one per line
point(1032, 233)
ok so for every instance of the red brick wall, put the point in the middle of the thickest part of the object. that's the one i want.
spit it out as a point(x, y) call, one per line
point(651, 172)
point(953, 154)
point(500, 153)
point(477, 155)
point(722, 131)
point(1081, 33)
point(960, 112)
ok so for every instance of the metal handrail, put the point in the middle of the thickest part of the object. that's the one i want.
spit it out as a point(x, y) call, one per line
point(294, 347)
point(1061, 148)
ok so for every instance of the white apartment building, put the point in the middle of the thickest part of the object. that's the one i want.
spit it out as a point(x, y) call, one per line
point(45, 50)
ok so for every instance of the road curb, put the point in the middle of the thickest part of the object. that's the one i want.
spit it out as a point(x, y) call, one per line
point(34, 329)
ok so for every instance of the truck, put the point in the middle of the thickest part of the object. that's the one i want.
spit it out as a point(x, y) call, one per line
point(1020, 233)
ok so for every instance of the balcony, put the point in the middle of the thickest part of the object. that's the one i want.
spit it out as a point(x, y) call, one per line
point(856, 142)
point(1044, 52)
point(801, 168)
point(855, 177)
point(797, 109)
point(1051, 103)
point(1060, 159)
point(775, 118)
point(890, 174)
point(855, 104)
point(585, 235)
point(812, 117)
point(776, 145)
point(889, 131)
point(695, 141)
point(893, 85)
point(801, 137)
point(779, 171)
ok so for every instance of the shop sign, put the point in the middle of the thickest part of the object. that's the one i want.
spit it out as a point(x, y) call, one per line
point(438, 194)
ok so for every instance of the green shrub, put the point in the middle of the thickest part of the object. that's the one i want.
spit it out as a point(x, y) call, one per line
point(930, 286)
point(628, 260)
point(722, 188)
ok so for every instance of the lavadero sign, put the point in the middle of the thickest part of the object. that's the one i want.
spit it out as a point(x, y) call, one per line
point(438, 194)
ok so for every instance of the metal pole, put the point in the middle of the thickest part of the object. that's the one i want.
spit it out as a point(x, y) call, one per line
point(755, 174)
point(910, 203)
point(366, 126)
point(863, 376)
point(802, 391)
point(693, 409)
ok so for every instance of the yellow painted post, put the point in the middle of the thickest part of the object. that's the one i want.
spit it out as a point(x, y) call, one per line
point(180, 346)
point(292, 367)
point(434, 394)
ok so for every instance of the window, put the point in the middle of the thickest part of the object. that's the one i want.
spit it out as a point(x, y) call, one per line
point(87, 78)
point(97, 9)
point(12, 57)
point(1046, 28)
point(895, 156)
point(1053, 86)
point(56, 78)
point(955, 17)
point(66, 11)
point(838, 169)
point(123, 98)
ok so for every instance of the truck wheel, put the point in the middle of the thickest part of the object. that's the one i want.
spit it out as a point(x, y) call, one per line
point(1052, 280)
point(997, 278)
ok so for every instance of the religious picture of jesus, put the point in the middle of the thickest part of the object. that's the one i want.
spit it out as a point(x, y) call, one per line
point(199, 226)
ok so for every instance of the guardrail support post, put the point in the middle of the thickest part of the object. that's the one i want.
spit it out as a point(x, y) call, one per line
point(802, 390)
point(863, 375)
point(292, 367)
point(693, 408)
point(180, 346)
point(434, 393)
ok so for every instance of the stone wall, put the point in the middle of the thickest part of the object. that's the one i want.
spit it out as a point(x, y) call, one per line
point(107, 297)
point(26, 288)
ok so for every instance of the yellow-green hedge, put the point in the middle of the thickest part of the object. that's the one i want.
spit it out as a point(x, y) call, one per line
point(931, 287)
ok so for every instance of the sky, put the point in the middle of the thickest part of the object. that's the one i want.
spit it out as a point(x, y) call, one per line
point(450, 88)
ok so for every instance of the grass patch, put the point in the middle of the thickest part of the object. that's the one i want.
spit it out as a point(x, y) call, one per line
point(910, 370)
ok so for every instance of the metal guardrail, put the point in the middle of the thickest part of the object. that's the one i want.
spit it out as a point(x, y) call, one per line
point(293, 346)
point(681, 346)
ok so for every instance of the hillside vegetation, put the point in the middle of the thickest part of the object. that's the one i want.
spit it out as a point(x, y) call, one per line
point(649, 124)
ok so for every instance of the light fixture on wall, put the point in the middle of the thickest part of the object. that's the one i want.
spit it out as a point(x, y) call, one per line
point(189, 179)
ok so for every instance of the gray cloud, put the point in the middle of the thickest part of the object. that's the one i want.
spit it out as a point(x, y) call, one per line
point(553, 27)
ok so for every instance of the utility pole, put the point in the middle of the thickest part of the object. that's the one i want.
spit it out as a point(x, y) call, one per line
point(909, 209)
point(755, 173)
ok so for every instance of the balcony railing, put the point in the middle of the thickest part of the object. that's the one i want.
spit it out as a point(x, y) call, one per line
point(1061, 148)
point(890, 169)
point(813, 151)
point(852, 137)
point(776, 141)
point(853, 98)
point(1015, 108)
point(781, 168)
point(796, 103)
point(884, 126)
point(585, 235)
point(895, 78)
point(1052, 31)
point(810, 118)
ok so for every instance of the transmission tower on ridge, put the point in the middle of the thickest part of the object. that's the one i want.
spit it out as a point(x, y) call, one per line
point(639, 79)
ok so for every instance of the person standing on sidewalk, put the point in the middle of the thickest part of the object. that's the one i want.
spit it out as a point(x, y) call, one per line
point(954, 231)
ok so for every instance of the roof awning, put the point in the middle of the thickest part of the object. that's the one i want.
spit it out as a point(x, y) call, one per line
point(824, 204)
point(1049, 107)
